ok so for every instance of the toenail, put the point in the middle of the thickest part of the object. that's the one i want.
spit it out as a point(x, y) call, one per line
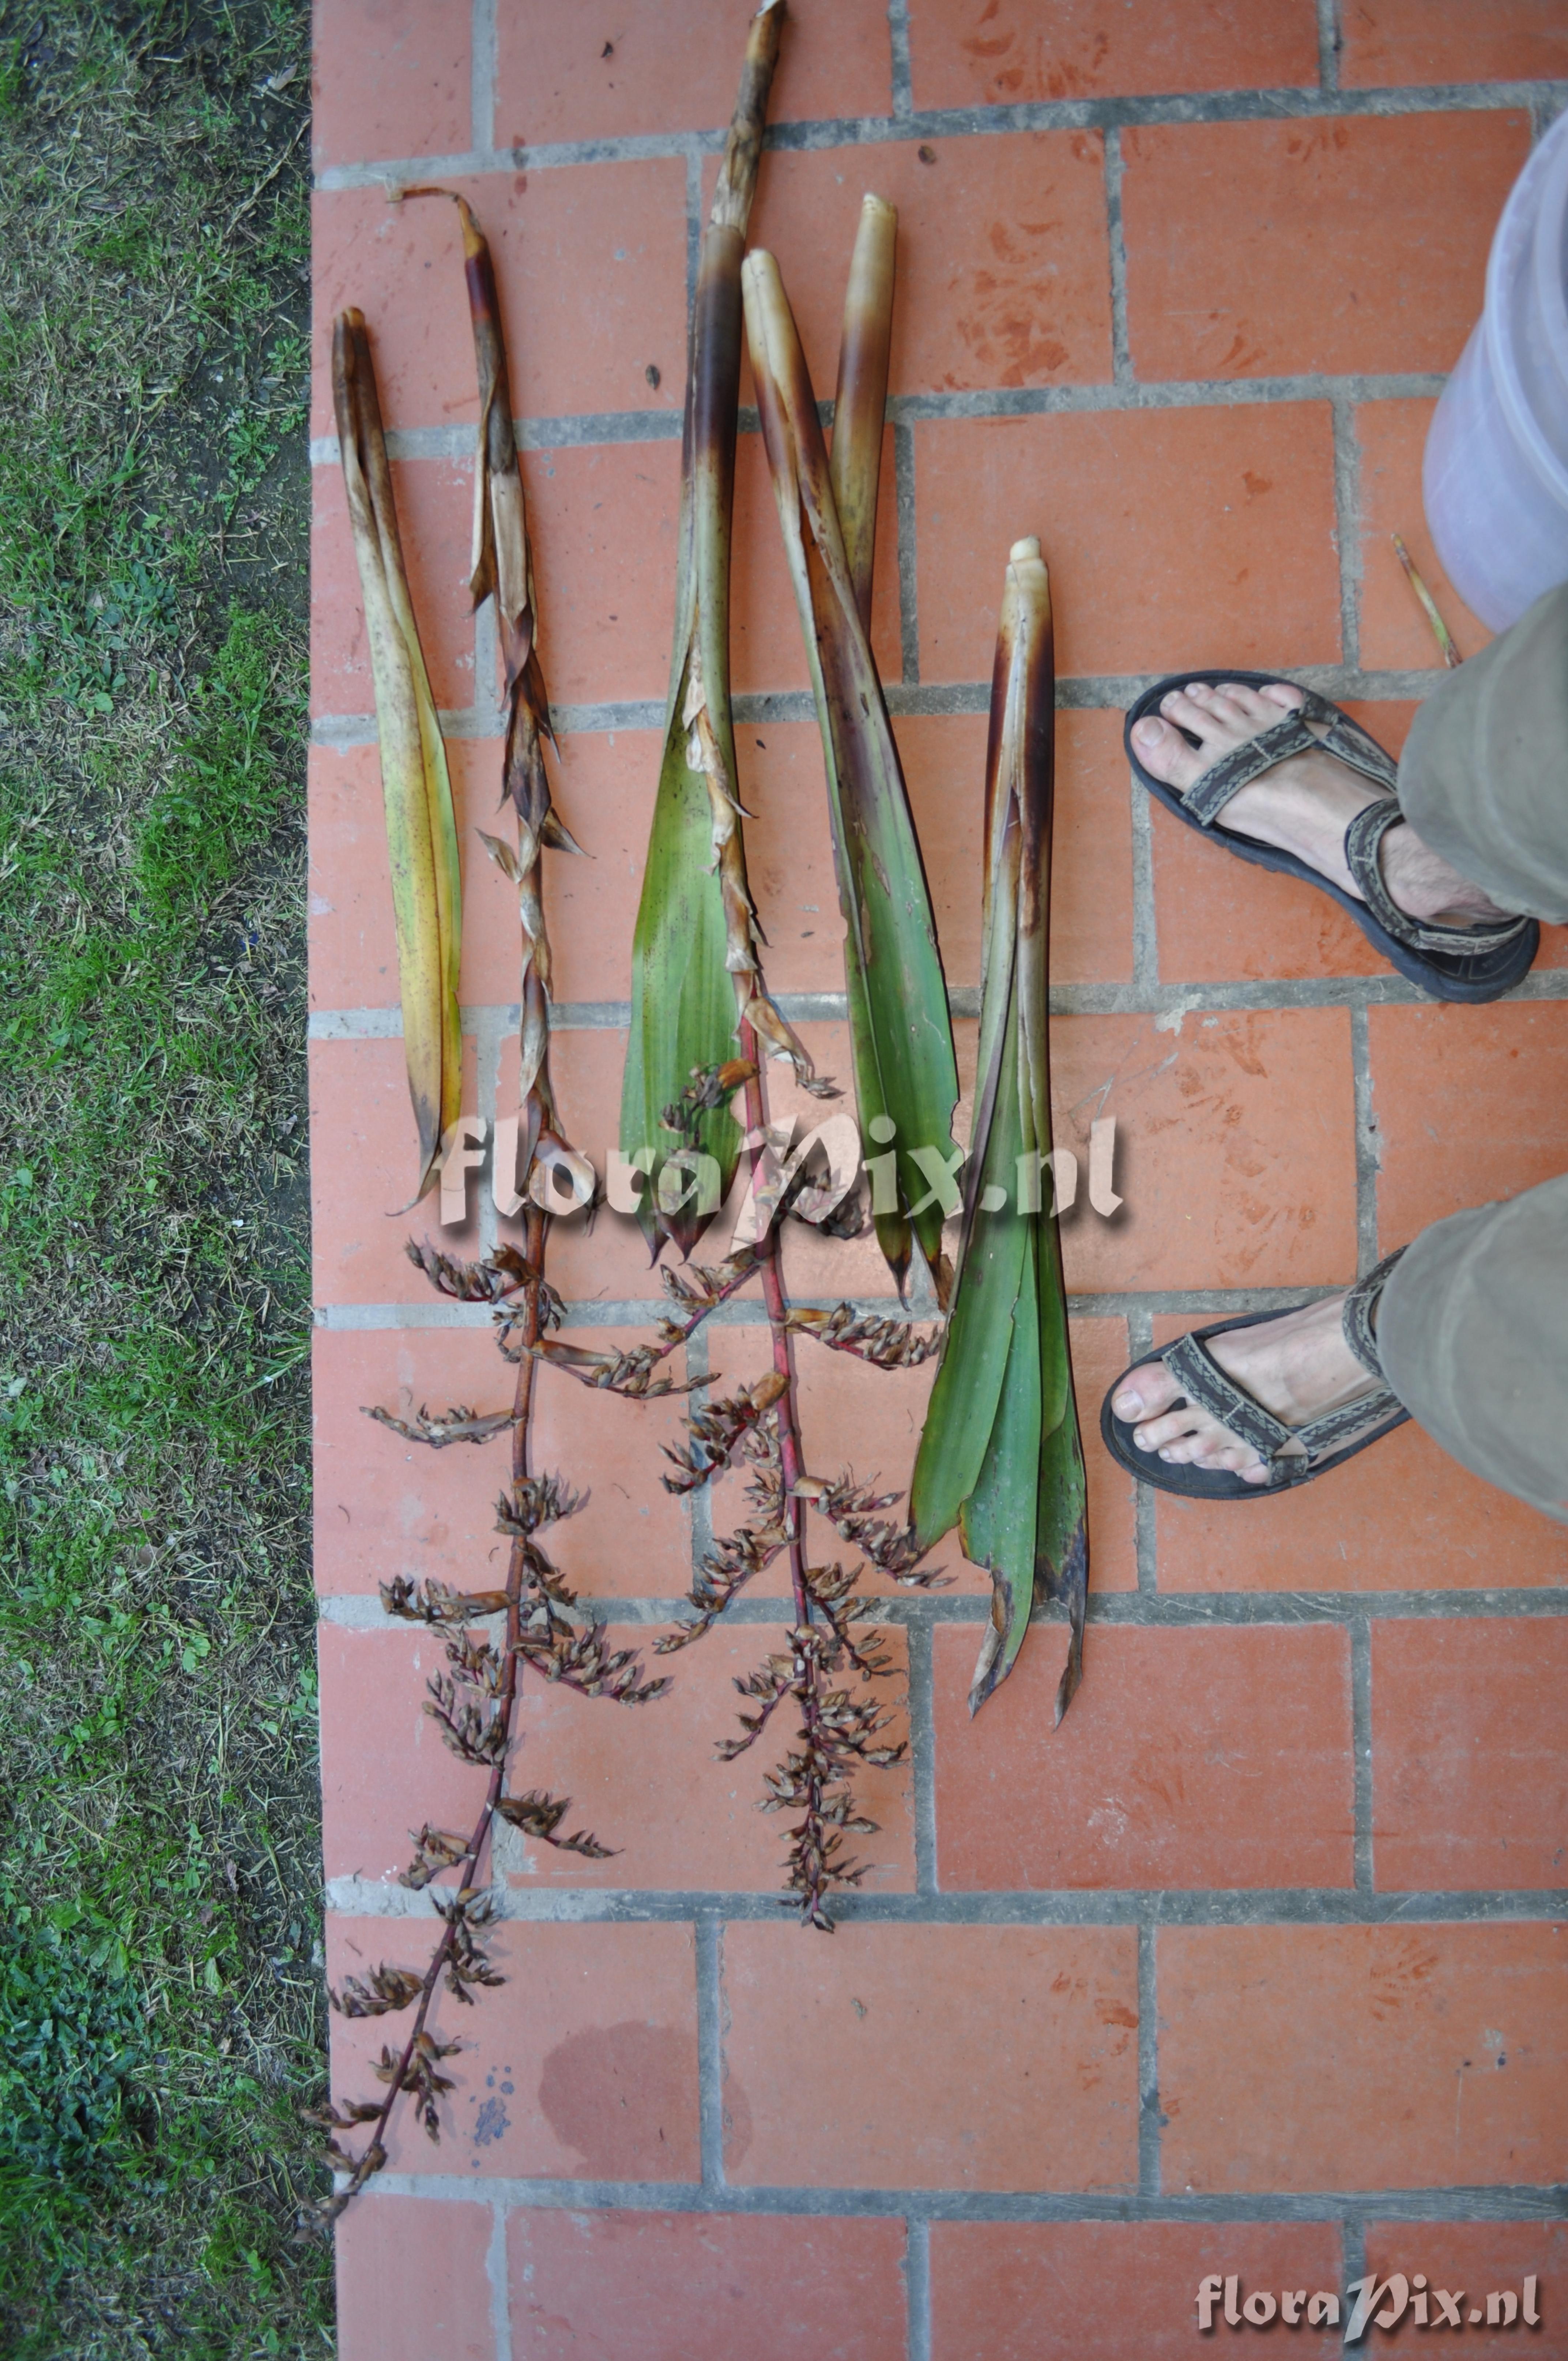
point(1150, 734)
point(1128, 1404)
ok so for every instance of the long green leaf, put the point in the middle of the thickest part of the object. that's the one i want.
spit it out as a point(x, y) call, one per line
point(901, 1036)
point(999, 1455)
point(694, 962)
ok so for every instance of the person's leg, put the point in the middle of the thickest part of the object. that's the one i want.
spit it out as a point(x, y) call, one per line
point(1483, 776)
point(1473, 1336)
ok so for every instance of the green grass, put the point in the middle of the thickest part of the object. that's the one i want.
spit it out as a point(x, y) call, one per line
point(160, 2022)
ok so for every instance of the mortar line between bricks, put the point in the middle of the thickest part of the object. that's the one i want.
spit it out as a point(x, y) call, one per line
point(1352, 2255)
point(1146, 983)
point(1361, 1747)
point(694, 257)
point(496, 2270)
point(1468, 2204)
point(1090, 693)
point(1366, 1157)
point(1300, 103)
point(1116, 247)
point(1347, 526)
point(1165, 1610)
point(1149, 2119)
point(710, 2047)
point(342, 1319)
point(482, 78)
point(1328, 46)
point(918, 2288)
point(1082, 693)
point(923, 1752)
point(1124, 392)
point(901, 74)
point(909, 581)
point(1166, 1000)
point(1074, 1907)
point(1140, 1345)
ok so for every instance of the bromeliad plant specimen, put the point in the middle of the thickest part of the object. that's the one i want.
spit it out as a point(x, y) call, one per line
point(1000, 1455)
point(694, 966)
point(901, 1036)
point(474, 1702)
point(421, 831)
point(699, 998)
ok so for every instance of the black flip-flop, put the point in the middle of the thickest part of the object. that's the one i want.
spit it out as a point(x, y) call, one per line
point(1294, 1454)
point(1468, 963)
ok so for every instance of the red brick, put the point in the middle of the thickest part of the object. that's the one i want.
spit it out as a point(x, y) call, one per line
point(1103, 2291)
point(602, 523)
point(384, 1506)
point(390, 80)
point(1003, 269)
point(1189, 1759)
point(1403, 1516)
point(582, 2066)
point(434, 501)
point(1234, 1147)
point(555, 82)
point(1027, 2046)
point(363, 1169)
point(1469, 1754)
point(610, 1262)
point(412, 2279)
point(1271, 249)
point(1472, 2258)
point(1008, 53)
point(590, 261)
point(1390, 438)
point(1174, 536)
point(645, 2287)
point(643, 1779)
point(1362, 2057)
point(1471, 1105)
point(1424, 41)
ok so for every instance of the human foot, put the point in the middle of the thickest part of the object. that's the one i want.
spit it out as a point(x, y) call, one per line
point(1303, 805)
point(1299, 1367)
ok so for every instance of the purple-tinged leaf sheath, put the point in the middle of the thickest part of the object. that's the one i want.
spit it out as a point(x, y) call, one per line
point(860, 405)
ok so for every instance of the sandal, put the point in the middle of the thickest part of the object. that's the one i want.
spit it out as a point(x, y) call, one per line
point(1469, 963)
point(1294, 1454)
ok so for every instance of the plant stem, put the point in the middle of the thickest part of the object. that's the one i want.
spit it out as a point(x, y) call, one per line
point(522, 1406)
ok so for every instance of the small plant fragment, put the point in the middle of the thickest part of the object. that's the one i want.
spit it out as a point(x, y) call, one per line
point(1441, 631)
point(1000, 1455)
point(421, 831)
point(694, 956)
point(906, 1075)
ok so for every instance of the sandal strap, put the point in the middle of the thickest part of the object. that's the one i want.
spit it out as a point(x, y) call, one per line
point(1207, 1388)
point(1356, 1315)
point(1207, 797)
point(1362, 840)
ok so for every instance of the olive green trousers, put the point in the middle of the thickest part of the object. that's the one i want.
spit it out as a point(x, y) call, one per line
point(1472, 1324)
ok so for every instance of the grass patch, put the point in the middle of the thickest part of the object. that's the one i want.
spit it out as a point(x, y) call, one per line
point(161, 2021)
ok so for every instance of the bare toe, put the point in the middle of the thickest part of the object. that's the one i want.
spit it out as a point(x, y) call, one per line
point(1286, 693)
point(1166, 753)
point(1143, 1392)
